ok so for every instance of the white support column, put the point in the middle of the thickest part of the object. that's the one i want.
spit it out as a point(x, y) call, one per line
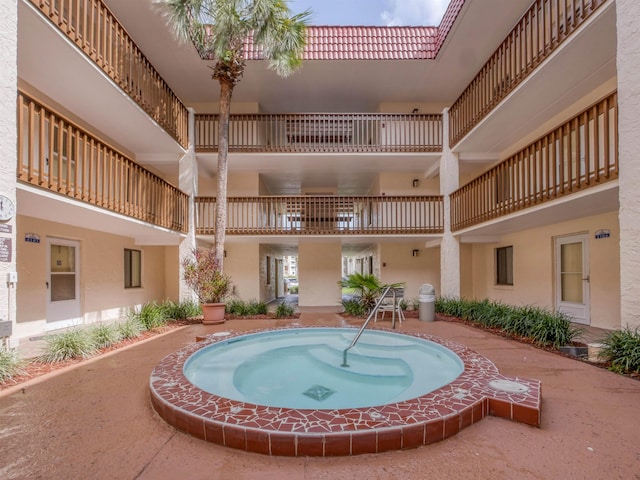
point(8, 163)
point(628, 63)
point(450, 245)
point(188, 183)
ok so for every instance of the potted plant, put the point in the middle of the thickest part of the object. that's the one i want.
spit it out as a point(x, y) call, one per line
point(203, 275)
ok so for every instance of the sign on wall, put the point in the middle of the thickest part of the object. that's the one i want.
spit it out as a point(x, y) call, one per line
point(5, 249)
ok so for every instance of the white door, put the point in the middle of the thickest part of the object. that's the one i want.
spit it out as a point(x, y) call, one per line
point(63, 292)
point(572, 277)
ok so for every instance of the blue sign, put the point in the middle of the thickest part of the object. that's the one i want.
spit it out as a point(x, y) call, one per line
point(31, 238)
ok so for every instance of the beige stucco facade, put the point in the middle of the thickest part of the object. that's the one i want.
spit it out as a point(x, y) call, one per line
point(101, 292)
point(456, 262)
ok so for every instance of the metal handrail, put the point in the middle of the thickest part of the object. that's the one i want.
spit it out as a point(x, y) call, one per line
point(366, 322)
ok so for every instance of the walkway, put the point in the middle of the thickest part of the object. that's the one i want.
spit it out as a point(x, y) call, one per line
point(95, 421)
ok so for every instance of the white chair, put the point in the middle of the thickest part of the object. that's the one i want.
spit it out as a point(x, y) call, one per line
point(388, 304)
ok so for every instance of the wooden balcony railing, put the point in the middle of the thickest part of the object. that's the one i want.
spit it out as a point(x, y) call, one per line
point(539, 32)
point(580, 154)
point(93, 28)
point(308, 133)
point(324, 215)
point(55, 154)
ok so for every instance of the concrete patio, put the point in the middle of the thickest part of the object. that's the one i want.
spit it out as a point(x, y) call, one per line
point(94, 420)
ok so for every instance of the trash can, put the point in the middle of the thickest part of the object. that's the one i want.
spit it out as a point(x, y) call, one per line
point(427, 303)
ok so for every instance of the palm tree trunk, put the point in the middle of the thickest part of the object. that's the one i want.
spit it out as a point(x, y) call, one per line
point(226, 90)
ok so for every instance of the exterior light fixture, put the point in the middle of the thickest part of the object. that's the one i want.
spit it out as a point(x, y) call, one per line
point(415, 252)
point(416, 183)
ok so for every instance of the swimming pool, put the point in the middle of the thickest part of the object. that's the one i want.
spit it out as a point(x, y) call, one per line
point(301, 368)
point(480, 390)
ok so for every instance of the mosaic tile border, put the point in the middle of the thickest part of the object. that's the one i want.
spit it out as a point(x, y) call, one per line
point(291, 432)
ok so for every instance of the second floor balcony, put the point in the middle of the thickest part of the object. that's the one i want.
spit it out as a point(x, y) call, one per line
point(324, 215)
point(324, 133)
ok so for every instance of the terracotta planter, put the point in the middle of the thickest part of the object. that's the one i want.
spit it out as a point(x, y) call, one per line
point(213, 313)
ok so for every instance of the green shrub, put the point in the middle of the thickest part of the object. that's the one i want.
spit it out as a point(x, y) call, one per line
point(354, 307)
point(73, 343)
point(543, 326)
point(152, 315)
point(284, 310)
point(246, 309)
point(256, 308)
point(415, 303)
point(235, 307)
point(105, 334)
point(293, 289)
point(622, 350)
point(10, 364)
point(131, 327)
point(182, 310)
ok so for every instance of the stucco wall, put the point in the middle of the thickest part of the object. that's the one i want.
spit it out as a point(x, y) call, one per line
point(319, 270)
point(102, 292)
point(397, 264)
point(241, 263)
point(628, 63)
point(534, 267)
point(8, 144)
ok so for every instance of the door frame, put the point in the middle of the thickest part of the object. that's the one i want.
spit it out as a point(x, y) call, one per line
point(63, 313)
point(579, 312)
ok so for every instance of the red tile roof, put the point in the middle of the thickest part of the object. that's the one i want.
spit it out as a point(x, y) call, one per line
point(373, 43)
point(365, 43)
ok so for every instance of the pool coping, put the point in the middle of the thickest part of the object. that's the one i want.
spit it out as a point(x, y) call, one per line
point(296, 432)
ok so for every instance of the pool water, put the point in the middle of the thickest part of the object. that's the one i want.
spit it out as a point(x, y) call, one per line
point(301, 368)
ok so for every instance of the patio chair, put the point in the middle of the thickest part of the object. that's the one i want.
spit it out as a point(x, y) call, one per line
point(388, 305)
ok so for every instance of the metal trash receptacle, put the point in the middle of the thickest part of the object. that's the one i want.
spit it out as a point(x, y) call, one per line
point(427, 303)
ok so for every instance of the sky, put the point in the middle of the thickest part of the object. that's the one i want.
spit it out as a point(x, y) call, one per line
point(373, 12)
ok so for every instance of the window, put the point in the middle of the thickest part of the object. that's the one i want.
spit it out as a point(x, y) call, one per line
point(132, 268)
point(504, 266)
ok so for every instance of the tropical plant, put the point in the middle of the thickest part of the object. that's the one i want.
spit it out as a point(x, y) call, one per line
point(202, 273)
point(74, 343)
point(365, 287)
point(622, 350)
point(219, 30)
point(10, 364)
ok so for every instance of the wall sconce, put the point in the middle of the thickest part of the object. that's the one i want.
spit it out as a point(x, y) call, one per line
point(225, 254)
point(415, 110)
point(415, 252)
point(416, 183)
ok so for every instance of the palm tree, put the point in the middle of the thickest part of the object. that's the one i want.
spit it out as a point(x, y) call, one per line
point(219, 30)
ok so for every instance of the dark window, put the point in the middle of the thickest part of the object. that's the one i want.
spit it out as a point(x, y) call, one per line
point(132, 268)
point(504, 266)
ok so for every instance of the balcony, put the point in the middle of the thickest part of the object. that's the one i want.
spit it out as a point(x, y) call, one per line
point(95, 31)
point(56, 155)
point(323, 133)
point(324, 215)
point(538, 34)
point(578, 155)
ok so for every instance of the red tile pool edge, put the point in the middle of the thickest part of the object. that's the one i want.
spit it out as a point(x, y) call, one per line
point(291, 432)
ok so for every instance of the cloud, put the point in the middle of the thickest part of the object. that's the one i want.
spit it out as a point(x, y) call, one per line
point(414, 12)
